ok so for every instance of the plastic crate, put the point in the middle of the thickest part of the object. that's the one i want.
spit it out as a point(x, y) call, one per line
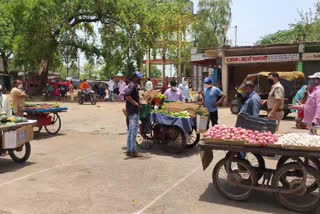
point(257, 124)
point(145, 111)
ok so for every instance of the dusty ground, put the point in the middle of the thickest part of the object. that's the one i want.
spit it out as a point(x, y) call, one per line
point(84, 170)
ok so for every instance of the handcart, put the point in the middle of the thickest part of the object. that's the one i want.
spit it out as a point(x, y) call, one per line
point(46, 117)
point(295, 181)
point(15, 140)
point(175, 133)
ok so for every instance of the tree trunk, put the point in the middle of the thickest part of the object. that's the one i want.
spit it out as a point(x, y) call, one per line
point(179, 57)
point(164, 59)
point(5, 62)
point(44, 72)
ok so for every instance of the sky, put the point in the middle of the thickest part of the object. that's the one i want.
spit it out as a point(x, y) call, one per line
point(257, 18)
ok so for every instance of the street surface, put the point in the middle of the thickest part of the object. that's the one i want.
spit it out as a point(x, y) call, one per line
point(84, 170)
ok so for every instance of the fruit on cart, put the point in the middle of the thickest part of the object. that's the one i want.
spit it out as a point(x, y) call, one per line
point(160, 96)
point(182, 114)
point(20, 119)
point(240, 134)
point(3, 114)
point(3, 118)
point(202, 111)
point(299, 139)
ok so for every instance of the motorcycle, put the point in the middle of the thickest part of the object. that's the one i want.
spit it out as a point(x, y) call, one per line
point(87, 96)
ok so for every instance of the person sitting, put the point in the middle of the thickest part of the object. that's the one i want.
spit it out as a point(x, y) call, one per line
point(18, 97)
point(173, 94)
point(84, 85)
point(252, 104)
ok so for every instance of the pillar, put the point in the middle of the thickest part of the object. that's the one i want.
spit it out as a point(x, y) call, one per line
point(148, 63)
point(225, 77)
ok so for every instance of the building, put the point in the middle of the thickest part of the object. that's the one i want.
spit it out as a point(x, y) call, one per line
point(230, 65)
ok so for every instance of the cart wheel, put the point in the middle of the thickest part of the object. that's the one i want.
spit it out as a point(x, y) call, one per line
point(177, 143)
point(193, 139)
point(315, 163)
point(21, 154)
point(235, 181)
point(304, 200)
point(256, 161)
point(55, 126)
point(38, 127)
point(143, 143)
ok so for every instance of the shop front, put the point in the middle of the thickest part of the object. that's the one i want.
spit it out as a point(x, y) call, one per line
point(311, 63)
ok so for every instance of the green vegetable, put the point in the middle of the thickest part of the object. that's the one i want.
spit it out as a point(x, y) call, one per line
point(182, 114)
point(160, 96)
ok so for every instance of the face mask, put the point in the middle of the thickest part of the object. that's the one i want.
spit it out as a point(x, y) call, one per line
point(271, 81)
point(174, 88)
point(312, 83)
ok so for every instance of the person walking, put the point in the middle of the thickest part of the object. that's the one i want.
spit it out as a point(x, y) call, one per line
point(173, 94)
point(252, 104)
point(312, 107)
point(111, 88)
point(149, 85)
point(275, 100)
point(122, 85)
point(18, 97)
point(212, 98)
point(132, 111)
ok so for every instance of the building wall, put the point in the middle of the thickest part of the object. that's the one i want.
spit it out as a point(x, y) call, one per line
point(310, 67)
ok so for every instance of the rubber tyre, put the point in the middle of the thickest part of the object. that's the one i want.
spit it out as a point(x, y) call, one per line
point(26, 155)
point(283, 202)
point(182, 146)
point(80, 100)
point(59, 127)
point(191, 145)
point(93, 99)
point(235, 109)
point(221, 164)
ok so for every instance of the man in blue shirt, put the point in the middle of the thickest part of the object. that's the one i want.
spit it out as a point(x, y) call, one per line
point(253, 103)
point(213, 97)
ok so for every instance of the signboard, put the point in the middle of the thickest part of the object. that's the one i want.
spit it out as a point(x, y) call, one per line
point(311, 57)
point(262, 58)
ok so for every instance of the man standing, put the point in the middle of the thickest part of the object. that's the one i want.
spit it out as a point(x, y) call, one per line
point(312, 107)
point(111, 88)
point(132, 109)
point(149, 85)
point(253, 103)
point(18, 98)
point(184, 88)
point(213, 97)
point(4, 103)
point(122, 85)
point(276, 98)
point(173, 94)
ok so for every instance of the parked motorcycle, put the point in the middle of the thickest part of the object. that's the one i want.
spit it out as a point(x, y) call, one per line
point(87, 96)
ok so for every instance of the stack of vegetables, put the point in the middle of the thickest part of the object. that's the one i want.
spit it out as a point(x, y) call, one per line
point(239, 134)
point(299, 139)
point(160, 96)
point(182, 114)
point(202, 111)
point(29, 105)
point(7, 121)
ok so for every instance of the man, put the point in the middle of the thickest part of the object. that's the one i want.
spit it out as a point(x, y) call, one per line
point(132, 110)
point(122, 85)
point(213, 97)
point(4, 103)
point(18, 97)
point(111, 88)
point(184, 88)
point(84, 85)
point(173, 94)
point(312, 107)
point(275, 100)
point(149, 85)
point(253, 103)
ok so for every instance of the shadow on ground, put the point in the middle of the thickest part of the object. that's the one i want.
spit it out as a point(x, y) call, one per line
point(258, 201)
point(8, 165)
point(45, 135)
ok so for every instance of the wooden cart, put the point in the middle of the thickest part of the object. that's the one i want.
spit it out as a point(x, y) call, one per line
point(295, 182)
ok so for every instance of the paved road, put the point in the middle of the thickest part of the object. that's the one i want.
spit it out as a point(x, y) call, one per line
point(84, 170)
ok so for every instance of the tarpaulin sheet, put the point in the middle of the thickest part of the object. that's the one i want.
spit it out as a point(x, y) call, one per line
point(186, 124)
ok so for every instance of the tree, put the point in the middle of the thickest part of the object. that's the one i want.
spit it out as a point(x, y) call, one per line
point(212, 24)
point(89, 71)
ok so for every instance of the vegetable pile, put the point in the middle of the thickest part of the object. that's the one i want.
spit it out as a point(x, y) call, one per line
point(182, 114)
point(240, 134)
point(299, 139)
point(160, 96)
point(202, 111)
point(7, 121)
point(29, 105)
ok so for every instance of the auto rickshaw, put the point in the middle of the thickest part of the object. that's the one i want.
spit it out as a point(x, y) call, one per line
point(291, 81)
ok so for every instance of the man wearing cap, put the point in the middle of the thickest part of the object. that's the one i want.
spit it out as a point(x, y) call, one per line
point(212, 98)
point(276, 98)
point(131, 95)
point(312, 107)
point(253, 102)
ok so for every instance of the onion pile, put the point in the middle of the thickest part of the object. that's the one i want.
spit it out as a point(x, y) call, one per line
point(299, 139)
point(240, 134)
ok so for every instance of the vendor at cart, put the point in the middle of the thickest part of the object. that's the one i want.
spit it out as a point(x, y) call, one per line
point(173, 94)
point(4, 103)
point(312, 107)
point(252, 104)
point(18, 97)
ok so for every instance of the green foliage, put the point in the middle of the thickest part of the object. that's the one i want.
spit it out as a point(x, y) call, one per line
point(212, 24)
point(155, 72)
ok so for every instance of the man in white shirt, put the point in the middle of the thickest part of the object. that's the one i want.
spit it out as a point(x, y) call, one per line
point(149, 85)
point(4, 103)
point(111, 86)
